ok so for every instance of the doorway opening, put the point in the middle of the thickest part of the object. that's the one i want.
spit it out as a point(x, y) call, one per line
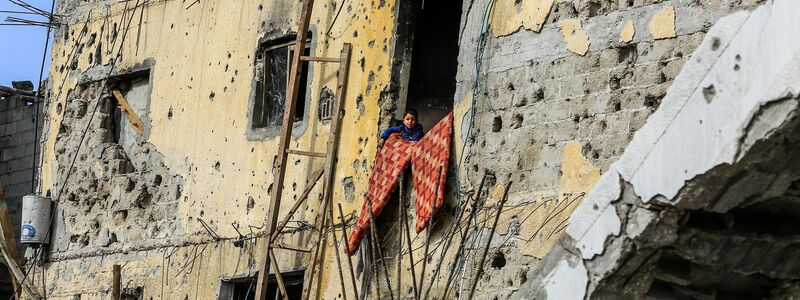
point(434, 35)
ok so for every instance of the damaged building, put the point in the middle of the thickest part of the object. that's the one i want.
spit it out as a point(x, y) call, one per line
point(600, 149)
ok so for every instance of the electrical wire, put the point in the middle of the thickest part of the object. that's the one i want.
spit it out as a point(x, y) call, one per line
point(39, 94)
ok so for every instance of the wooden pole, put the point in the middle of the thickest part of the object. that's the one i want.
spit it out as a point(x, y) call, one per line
point(115, 282)
point(10, 240)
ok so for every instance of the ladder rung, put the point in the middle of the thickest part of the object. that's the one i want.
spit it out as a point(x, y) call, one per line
point(306, 153)
point(321, 59)
point(293, 248)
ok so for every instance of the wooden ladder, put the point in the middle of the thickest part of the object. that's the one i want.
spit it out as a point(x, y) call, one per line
point(273, 227)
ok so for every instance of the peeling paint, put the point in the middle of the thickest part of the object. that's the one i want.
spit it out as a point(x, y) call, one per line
point(662, 25)
point(626, 36)
point(508, 16)
point(576, 38)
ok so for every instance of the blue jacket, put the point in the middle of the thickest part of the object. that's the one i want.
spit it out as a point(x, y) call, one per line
point(413, 134)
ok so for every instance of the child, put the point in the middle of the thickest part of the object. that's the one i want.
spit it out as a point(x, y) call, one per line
point(410, 130)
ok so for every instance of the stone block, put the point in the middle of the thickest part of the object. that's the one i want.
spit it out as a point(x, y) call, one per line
point(19, 164)
point(18, 151)
point(21, 176)
point(11, 128)
point(18, 190)
point(7, 155)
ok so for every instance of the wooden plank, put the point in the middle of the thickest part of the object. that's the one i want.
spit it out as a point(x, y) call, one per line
point(128, 111)
point(296, 205)
point(278, 276)
point(288, 119)
point(17, 272)
point(7, 235)
point(306, 153)
point(333, 142)
point(288, 247)
point(115, 282)
point(321, 59)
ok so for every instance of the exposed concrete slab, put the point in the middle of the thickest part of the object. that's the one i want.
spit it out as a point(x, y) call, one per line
point(746, 57)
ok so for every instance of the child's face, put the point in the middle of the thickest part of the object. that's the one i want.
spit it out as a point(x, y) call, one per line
point(409, 120)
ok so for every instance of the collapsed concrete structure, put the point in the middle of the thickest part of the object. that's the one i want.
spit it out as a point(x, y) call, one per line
point(643, 142)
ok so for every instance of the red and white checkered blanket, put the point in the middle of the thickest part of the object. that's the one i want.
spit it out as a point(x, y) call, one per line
point(429, 158)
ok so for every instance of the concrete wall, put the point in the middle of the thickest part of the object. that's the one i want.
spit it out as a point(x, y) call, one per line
point(17, 139)
point(562, 86)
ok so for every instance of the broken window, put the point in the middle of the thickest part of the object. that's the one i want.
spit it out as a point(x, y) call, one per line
point(135, 90)
point(244, 288)
point(274, 61)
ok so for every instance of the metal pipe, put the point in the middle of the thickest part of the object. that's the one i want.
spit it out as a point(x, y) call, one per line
point(489, 241)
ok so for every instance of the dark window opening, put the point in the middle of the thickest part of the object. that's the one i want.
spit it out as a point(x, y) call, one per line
point(434, 60)
point(135, 88)
point(244, 288)
point(274, 61)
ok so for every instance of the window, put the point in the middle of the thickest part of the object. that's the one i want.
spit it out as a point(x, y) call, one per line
point(326, 99)
point(273, 64)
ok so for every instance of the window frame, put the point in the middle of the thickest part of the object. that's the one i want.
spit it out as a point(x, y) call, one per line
point(271, 122)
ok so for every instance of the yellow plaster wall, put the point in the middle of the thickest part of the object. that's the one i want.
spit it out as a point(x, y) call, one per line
point(209, 48)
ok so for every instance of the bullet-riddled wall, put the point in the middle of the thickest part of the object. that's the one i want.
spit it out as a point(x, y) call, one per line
point(547, 95)
point(558, 88)
point(196, 162)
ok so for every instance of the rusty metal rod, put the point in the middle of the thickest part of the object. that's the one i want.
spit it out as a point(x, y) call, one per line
point(374, 232)
point(428, 231)
point(460, 248)
point(459, 216)
point(407, 230)
point(347, 244)
point(336, 250)
point(489, 241)
point(401, 211)
point(374, 264)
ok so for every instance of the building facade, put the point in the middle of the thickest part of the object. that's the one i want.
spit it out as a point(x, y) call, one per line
point(559, 108)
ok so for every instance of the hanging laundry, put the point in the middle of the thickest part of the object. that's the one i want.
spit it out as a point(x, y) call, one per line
point(428, 156)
